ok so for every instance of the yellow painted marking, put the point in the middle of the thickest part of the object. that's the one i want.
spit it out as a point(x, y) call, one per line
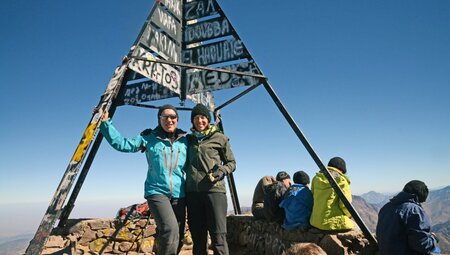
point(82, 146)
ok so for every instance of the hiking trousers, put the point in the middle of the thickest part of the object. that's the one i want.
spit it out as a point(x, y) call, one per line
point(170, 218)
point(207, 212)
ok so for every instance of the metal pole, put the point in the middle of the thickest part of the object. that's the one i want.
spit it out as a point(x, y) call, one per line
point(231, 183)
point(237, 97)
point(321, 166)
point(87, 164)
point(233, 193)
point(76, 190)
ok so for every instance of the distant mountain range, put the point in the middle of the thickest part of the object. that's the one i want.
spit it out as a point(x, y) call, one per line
point(437, 208)
point(375, 198)
point(368, 204)
point(14, 245)
point(367, 211)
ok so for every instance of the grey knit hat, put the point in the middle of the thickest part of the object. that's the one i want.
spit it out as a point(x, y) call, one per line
point(200, 109)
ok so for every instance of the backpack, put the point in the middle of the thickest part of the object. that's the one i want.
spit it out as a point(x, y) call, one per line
point(272, 198)
point(132, 212)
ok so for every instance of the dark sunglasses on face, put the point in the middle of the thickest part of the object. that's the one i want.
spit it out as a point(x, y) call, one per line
point(166, 117)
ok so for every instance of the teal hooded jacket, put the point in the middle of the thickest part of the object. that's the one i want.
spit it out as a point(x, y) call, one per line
point(166, 159)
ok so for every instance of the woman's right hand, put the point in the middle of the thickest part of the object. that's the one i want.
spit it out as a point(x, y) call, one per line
point(105, 116)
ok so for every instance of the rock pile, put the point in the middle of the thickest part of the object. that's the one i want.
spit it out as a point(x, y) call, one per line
point(105, 236)
point(260, 237)
point(245, 236)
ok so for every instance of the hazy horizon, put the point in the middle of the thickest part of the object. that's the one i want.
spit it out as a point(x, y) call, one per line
point(24, 218)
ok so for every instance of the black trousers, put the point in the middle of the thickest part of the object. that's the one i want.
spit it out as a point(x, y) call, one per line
point(207, 212)
point(170, 217)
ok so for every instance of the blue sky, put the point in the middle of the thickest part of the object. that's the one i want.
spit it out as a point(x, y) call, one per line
point(365, 80)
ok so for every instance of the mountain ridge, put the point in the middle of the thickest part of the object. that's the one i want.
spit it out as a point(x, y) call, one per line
point(436, 208)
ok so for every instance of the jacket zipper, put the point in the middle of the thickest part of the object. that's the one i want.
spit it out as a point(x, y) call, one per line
point(171, 166)
point(170, 169)
point(176, 159)
point(176, 164)
point(198, 164)
point(165, 158)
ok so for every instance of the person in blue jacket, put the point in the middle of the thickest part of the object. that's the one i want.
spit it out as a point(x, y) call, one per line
point(403, 227)
point(297, 203)
point(165, 148)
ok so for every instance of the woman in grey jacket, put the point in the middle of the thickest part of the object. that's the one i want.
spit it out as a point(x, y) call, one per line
point(210, 159)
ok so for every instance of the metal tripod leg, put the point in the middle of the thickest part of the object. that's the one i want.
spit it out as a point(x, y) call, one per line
point(54, 210)
point(231, 184)
point(321, 166)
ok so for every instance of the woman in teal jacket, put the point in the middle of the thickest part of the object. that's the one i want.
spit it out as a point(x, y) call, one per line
point(165, 148)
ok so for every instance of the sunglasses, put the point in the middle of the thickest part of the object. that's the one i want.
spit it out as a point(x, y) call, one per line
point(166, 117)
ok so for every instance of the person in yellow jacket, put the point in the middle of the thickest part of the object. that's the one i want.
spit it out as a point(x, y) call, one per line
point(329, 212)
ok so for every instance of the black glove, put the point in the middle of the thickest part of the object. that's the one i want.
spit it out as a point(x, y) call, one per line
point(218, 173)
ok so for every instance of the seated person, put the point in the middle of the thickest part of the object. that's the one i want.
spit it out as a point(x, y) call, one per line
point(329, 212)
point(297, 203)
point(258, 196)
point(273, 194)
point(284, 178)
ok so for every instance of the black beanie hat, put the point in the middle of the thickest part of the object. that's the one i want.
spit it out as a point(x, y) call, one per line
point(165, 107)
point(417, 188)
point(282, 175)
point(200, 109)
point(301, 177)
point(338, 163)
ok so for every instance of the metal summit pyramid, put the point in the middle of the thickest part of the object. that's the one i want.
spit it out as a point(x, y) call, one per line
point(185, 49)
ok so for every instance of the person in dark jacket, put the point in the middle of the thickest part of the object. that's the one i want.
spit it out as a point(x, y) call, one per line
point(165, 148)
point(210, 159)
point(258, 196)
point(273, 194)
point(403, 227)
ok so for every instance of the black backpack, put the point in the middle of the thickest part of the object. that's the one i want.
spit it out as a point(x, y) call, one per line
point(272, 197)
